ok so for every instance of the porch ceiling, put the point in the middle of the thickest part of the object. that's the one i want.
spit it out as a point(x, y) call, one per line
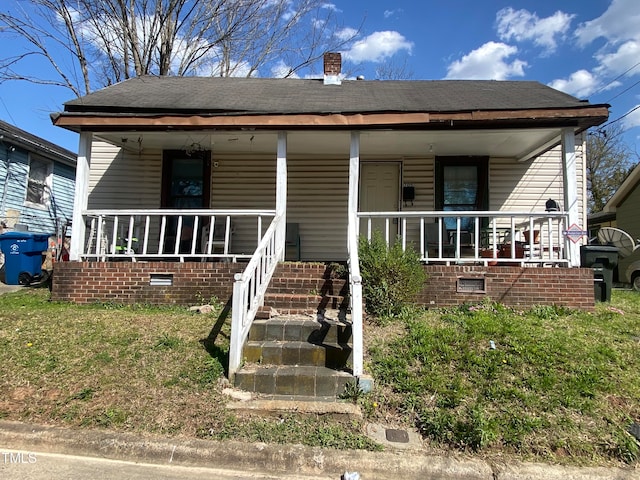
point(511, 143)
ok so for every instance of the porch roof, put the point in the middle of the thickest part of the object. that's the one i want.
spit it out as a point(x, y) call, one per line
point(196, 102)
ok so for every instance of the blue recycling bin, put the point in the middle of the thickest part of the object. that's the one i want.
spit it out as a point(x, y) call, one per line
point(22, 256)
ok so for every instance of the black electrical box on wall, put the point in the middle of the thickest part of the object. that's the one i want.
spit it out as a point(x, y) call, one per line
point(408, 193)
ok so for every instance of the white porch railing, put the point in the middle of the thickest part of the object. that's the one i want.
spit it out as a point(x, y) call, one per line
point(249, 289)
point(494, 237)
point(163, 234)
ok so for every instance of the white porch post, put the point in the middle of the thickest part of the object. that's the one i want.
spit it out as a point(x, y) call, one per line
point(281, 190)
point(571, 197)
point(356, 294)
point(81, 197)
point(354, 178)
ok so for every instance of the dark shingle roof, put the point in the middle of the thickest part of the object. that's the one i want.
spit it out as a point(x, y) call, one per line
point(291, 96)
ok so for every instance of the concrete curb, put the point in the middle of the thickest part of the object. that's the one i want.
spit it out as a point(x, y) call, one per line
point(274, 459)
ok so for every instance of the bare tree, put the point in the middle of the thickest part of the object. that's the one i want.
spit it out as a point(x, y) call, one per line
point(87, 43)
point(394, 70)
point(609, 161)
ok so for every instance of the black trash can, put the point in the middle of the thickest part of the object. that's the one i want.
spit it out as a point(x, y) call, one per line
point(23, 256)
point(603, 259)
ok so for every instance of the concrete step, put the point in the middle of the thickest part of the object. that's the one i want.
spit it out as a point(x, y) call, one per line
point(335, 356)
point(301, 329)
point(300, 381)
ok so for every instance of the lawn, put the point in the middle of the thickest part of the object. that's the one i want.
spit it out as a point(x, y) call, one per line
point(560, 386)
point(141, 369)
point(545, 384)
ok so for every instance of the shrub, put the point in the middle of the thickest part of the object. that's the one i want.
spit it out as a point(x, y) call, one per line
point(391, 277)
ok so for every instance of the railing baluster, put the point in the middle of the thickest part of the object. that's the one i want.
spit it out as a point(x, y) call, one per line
point(130, 234)
point(163, 228)
point(145, 242)
point(176, 245)
point(114, 241)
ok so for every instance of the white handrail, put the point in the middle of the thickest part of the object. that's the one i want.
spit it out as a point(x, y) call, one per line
point(249, 289)
point(355, 286)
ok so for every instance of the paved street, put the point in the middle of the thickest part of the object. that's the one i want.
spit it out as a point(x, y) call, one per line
point(20, 465)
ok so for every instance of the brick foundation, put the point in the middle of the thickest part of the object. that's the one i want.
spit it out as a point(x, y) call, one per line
point(193, 282)
point(513, 286)
point(129, 282)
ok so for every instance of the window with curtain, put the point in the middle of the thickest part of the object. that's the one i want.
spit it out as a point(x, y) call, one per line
point(39, 181)
point(461, 185)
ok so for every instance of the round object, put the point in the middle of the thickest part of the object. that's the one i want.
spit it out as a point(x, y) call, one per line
point(635, 283)
point(24, 278)
point(617, 238)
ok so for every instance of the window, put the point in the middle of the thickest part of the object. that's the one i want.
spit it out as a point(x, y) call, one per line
point(461, 185)
point(39, 182)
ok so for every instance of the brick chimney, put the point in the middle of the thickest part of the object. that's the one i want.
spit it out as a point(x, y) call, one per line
point(332, 68)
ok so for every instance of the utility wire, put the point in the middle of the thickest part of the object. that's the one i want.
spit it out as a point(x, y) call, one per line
point(619, 118)
point(624, 91)
point(618, 77)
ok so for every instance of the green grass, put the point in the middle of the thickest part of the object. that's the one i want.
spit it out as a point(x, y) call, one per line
point(134, 368)
point(559, 385)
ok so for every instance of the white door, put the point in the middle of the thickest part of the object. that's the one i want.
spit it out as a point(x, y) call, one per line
point(379, 192)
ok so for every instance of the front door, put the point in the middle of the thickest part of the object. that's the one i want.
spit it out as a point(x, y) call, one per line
point(186, 180)
point(379, 192)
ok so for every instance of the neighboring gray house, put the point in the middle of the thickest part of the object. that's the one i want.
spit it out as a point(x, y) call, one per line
point(38, 181)
point(621, 211)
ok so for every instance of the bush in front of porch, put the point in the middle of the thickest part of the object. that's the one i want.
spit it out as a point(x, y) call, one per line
point(392, 276)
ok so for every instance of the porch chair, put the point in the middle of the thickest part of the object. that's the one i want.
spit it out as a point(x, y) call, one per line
point(217, 242)
point(292, 239)
point(431, 240)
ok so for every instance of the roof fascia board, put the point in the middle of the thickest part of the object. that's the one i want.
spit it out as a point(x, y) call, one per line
point(571, 117)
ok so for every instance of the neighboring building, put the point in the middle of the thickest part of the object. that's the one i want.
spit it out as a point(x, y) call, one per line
point(38, 182)
point(176, 170)
point(621, 211)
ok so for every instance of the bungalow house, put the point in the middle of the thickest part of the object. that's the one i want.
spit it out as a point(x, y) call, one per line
point(38, 183)
point(190, 187)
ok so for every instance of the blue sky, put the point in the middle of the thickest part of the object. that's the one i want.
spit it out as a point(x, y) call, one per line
point(590, 49)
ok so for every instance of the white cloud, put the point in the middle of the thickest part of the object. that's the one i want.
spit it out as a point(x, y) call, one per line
point(346, 33)
point(487, 62)
point(626, 56)
point(580, 84)
point(522, 25)
point(282, 70)
point(388, 13)
point(331, 6)
point(377, 47)
point(618, 24)
point(632, 119)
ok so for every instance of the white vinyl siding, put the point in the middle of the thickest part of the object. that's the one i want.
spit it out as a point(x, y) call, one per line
point(317, 199)
point(124, 179)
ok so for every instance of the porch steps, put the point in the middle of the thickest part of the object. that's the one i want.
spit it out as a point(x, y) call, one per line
point(299, 347)
point(306, 288)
